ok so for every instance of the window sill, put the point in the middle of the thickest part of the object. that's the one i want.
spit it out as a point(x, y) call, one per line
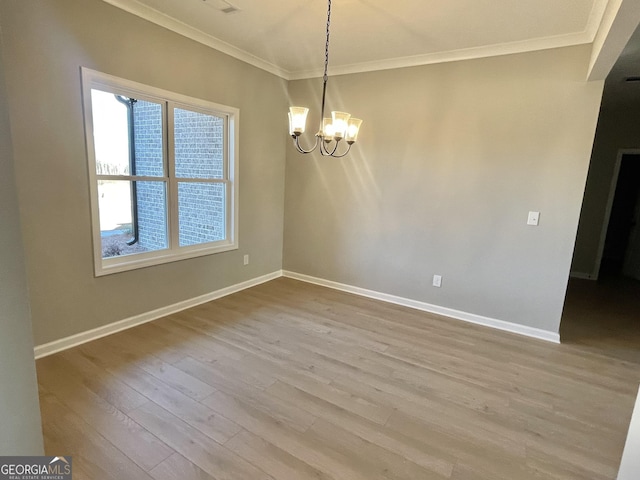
point(133, 262)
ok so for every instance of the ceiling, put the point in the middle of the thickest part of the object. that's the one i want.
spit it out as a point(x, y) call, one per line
point(286, 37)
point(619, 91)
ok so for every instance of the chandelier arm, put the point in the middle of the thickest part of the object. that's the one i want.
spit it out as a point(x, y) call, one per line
point(296, 142)
point(339, 155)
point(343, 154)
point(326, 151)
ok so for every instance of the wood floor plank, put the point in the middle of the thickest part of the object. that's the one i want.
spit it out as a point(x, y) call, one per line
point(210, 456)
point(176, 378)
point(272, 459)
point(151, 388)
point(211, 374)
point(112, 354)
point(95, 455)
point(167, 349)
point(98, 380)
point(190, 411)
point(292, 381)
point(56, 444)
point(349, 401)
point(428, 455)
point(417, 403)
point(280, 410)
point(376, 461)
point(176, 467)
point(554, 467)
point(129, 437)
point(192, 340)
point(293, 442)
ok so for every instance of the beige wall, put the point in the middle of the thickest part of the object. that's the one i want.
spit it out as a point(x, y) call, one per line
point(20, 431)
point(45, 44)
point(618, 129)
point(451, 159)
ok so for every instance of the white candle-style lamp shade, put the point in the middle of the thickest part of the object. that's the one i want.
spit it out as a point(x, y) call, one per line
point(353, 128)
point(340, 121)
point(297, 120)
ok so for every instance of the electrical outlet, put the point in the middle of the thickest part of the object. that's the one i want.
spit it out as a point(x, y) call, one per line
point(437, 281)
point(534, 218)
point(246, 259)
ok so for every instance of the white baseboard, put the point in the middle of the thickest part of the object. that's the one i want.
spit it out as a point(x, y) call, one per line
point(84, 337)
point(583, 276)
point(447, 312)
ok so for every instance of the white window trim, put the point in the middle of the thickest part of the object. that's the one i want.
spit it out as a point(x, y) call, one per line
point(94, 79)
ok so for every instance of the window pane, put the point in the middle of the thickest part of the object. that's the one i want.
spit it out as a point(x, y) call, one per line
point(147, 127)
point(201, 208)
point(116, 120)
point(199, 144)
point(123, 232)
point(152, 215)
point(110, 134)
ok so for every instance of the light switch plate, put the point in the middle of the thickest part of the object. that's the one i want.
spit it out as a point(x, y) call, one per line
point(534, 218)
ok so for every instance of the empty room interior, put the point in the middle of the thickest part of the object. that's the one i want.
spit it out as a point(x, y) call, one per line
point(443, 283)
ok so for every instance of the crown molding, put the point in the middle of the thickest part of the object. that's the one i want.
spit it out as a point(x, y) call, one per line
point(596, 18)
point(154, 16)
point(585, 37)
point(474, 53)
point(619, 21)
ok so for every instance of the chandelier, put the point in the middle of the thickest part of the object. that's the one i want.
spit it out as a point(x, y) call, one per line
point(340, 126)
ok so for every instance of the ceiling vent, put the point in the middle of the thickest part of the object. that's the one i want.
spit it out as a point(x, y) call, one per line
point(222, 5)
point(230, 9)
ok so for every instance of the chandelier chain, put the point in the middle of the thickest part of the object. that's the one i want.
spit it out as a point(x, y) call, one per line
point(326, 64)
point(326, 47)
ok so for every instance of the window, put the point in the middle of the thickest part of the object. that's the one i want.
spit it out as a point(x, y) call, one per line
point(163, 174)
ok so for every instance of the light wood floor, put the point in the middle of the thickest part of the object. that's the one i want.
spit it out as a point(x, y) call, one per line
point(293, 381)
point(604, 316)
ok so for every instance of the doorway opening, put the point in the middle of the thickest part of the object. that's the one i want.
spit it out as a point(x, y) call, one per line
point(606, 312)
point(621, 249)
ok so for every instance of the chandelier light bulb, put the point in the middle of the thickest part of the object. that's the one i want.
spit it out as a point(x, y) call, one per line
point(327, 129)
point(340, 121)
